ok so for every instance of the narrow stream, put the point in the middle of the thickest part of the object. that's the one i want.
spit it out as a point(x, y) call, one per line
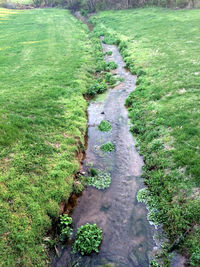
point(127, 235)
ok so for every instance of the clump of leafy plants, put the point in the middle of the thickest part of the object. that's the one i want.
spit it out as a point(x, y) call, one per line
point(110, 78)
point(153, 263)
point(108, 147)
point(111, 65)
point(99, 179)
point(97, 88)
point(108, 53)
point(79, 184)
point(93, 172)
point(88, 239)
point(66, 227)
point(105, 126)
point(111, 39)
point(84, 12)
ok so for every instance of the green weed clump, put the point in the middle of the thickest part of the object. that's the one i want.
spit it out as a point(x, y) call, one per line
point(108, 147)
point(66, 227)
point(100, 179)
point(105, 126)
point(88, 239)
point(110, 78)
point(168, 87)
point(97, 88)
point(108, 53)
point(111, 65)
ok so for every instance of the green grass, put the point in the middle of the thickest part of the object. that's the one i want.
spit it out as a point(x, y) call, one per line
point(46, 58)
point(162, 46)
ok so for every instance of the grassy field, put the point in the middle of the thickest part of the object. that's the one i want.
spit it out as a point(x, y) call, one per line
point(162, 47)
point(45, 64)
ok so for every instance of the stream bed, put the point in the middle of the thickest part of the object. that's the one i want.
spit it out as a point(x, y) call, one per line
point(127, 234)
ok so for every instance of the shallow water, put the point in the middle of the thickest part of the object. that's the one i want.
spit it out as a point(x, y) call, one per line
point(127, 235)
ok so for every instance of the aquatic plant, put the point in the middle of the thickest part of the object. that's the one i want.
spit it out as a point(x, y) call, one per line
point(108, 147)
point(105, 126)
point(108, 53)
point(66, 227)
point(153, 263)
point(111, 65)
point(100, 180)
point(93, 172)
point(88, 239)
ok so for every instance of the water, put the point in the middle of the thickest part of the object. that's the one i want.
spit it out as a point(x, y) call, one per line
point(127, 235)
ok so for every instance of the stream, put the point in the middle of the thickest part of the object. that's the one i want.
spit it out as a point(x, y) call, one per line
point(127, 235)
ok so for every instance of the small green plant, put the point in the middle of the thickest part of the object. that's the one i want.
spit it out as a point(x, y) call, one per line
point(93, 172)
point(110, 78)
point(153, 263)
point(100, 180)
point(105, 126)
point(84, 12)
point(156, 145)
point(111, 39)
point(88, 239)
point(79, 185)
point(111, 65)
point(97, 88)
point(108, 53)
point(108, 147)
point(66, 227)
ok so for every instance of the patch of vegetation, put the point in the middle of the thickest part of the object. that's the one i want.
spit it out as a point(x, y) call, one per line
point(108, 147)
point(167, 134)
point(46, 66)
point(111, 65)
point(105, 126)
point(110, 79)
point(108, 53)
point(93, 172)
point(84, 12)
point(99, 179)
point(97, 88)
point(79, 184)
point(65, 227)
point(111, 39)
point(88, 239)
point(153, 263)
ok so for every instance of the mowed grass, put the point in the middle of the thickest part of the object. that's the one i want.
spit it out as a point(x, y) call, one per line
point(162, 46)
point(45, 64)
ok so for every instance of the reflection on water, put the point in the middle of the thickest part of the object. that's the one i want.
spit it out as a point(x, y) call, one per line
point(127, 235)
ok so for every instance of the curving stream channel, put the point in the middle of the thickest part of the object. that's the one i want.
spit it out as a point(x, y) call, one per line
point(127, 235)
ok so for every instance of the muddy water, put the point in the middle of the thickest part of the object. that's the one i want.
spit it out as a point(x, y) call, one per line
point(127, 235)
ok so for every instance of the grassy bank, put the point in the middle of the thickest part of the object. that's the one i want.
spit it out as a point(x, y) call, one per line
point(162, 48)
point(45, 63)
